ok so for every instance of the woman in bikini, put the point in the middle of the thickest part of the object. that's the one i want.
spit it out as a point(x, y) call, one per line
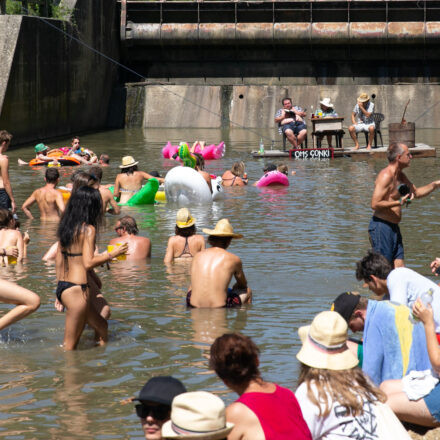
point(236, 176)
point(75, 257)
point(186, 243)
point(129, 182)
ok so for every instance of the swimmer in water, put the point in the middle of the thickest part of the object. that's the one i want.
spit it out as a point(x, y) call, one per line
point(129, 182)
point(139, 248)
point(236, 176)
point(10, 238)
point(49, 199)
point(186, 243)
point(77, 234)
point(213, 269)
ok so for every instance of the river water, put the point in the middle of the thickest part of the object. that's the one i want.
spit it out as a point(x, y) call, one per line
point(299, 251)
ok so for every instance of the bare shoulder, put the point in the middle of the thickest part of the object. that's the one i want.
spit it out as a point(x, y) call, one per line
point(90, 231)
point(237, 413)
point(145, 240)
point(384, 176)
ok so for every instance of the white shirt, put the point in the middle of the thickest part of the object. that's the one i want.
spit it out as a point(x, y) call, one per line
point(337, 425)
point(361, 118)
point(406, 285)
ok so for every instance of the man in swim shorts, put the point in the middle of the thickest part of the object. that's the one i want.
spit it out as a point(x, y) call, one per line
point(7, 200)
point(106, 194)
point(387, 201)
point(213, 269)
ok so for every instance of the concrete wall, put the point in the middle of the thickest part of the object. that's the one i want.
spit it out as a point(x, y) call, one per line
point(56, 86)
point(214, 106)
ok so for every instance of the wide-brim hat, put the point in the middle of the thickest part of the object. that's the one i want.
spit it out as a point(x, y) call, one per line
point(326, 102)
point(222, 229)
point(197, 415)
point(161, 389)
point(325, 343)
point(128, 161)
point(363, 97)
point(184, 219)
point(40, 147)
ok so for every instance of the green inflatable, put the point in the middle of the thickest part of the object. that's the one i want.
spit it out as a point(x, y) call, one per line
point(145, 196)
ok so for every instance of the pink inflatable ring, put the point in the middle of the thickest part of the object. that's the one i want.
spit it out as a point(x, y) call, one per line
point(273, 178)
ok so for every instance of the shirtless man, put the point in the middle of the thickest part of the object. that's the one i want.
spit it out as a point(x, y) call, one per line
point(393, 190)
point(139, 248)
point(130, 180)
point(106, 194)
point(10, 238)
point(7, 200)
point(49, 199)
point(213, 269)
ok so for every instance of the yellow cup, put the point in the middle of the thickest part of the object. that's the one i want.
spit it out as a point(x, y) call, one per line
point(11, 258)
point(121, 257)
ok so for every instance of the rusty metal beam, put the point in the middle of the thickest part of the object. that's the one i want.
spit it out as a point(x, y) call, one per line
point(283, 33)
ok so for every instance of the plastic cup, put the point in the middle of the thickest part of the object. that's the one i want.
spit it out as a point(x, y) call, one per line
point(111, 247)
point(11, 259)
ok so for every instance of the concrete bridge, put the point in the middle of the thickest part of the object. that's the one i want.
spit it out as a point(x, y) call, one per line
point(241, 58)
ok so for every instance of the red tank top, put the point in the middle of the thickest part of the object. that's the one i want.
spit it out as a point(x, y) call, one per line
point(279, 414)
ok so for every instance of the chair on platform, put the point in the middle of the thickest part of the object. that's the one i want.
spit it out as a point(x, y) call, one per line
point(303, 145)
point(378, 118)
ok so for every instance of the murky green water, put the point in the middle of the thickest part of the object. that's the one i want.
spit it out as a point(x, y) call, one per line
point(299, 251)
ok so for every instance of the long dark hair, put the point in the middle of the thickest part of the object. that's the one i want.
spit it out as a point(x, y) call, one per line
point(84, 208)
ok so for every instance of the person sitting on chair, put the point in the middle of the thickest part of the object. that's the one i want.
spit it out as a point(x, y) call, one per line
point(291, 123)
point(363, 111)
point(325, 111)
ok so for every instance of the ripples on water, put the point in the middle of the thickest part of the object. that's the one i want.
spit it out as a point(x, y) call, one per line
point(299, 251)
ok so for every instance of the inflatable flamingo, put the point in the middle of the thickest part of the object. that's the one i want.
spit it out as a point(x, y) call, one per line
point(211, 152)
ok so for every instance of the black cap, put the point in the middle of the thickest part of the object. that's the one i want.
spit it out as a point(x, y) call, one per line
point(155, 174)
point(345, 304)
point(161, 389)
point(269, 167)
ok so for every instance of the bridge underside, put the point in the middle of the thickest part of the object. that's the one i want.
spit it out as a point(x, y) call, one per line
point(311, 42)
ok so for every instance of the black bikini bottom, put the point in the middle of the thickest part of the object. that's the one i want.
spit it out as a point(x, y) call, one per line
point(63, 285)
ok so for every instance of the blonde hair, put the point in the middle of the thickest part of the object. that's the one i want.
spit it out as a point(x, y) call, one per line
point(282, 168)
point(237, 169)
point(350, 388)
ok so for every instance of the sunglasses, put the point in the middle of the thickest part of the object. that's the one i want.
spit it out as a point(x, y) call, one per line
point(119, 227)
point(158, 412)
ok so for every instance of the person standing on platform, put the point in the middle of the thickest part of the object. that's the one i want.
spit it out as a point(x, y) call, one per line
point(392, 190)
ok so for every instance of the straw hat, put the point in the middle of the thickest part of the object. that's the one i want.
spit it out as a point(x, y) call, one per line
point(40, 147)
point(222, 229)
point(197, 415)
point(363, 97)
point(325, 343)
point(128, 161)
point(184, 219)
point(326, 102)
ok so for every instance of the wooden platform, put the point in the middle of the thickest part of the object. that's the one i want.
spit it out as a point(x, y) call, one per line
point(420, 150)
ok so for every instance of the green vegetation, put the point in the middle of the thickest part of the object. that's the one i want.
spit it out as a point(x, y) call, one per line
point(41, 8)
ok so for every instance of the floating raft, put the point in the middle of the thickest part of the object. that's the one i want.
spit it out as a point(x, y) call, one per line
point(420, 150)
